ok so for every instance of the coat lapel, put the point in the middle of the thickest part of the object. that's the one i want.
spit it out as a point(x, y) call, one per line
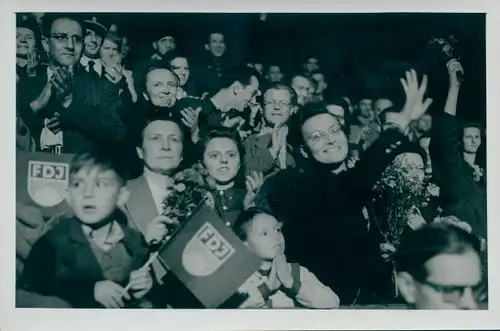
point(79, 254)
point(140, 207)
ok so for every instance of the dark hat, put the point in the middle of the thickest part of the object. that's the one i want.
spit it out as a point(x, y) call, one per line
point(164, 30)
point(92, 23)
point(27, 21)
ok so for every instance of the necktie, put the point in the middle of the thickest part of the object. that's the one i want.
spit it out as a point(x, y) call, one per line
point(92, 70)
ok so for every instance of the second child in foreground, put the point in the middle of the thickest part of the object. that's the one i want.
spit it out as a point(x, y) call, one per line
point(278, 284)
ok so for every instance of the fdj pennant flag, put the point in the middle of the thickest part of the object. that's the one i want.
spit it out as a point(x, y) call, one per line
point(208, 258)
point(42, 180)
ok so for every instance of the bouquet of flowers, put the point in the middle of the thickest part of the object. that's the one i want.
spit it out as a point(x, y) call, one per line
point(189, 189)
point(401, 196)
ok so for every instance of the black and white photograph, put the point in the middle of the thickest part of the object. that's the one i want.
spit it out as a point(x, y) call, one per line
point(250, 161)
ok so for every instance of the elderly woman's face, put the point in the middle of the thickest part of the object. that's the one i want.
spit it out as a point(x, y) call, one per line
point(413, 165)
point(162, 146)
point(325, 139)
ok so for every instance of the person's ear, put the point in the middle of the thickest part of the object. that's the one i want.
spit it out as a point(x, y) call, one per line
point(406, 286)
point(207, 47)
point(123, 196)
point(303, 152)
point(155, 45)
point(145, 95)
point(140, 153)
point(45, 44)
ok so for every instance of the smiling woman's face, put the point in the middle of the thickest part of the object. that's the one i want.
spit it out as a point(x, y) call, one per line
point(325, 139)
point(222, 159)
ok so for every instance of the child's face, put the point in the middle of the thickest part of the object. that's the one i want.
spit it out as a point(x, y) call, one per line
point(94, 194)
point(222, 159)
point(264, 237)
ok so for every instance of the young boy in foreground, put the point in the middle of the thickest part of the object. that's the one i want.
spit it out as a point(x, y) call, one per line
point(278, 284)
point(89, 258)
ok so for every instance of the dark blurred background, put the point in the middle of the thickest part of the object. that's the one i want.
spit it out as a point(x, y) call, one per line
point(360, 53)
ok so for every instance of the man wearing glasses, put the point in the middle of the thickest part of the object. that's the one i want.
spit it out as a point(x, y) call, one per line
point(439, 267)
point(77, 111)
point(268, 150)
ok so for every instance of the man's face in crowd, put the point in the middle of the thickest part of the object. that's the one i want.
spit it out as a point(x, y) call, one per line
point(325, 139)
point(321, 84)
point(162, 146)
point(274, 74)
point(382, 104)
point(93, 42)
point(65, 42)
point(216, 45)
point(277, 106)
point(25, 41)
point(365, 107)
point(161, 87)
point(311, 65)
point(181, 68)
point(304, 89)
point(471, 139)
point(165, 45)
point(109, 52)
point(222, 159)
point(245, 94)
point(448, 285)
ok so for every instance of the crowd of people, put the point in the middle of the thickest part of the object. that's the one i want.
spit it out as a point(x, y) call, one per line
point(291, 159)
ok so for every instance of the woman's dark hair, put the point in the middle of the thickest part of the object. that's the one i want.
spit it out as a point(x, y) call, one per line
point(419, 246)
point(154, 113)
point(223, 132)
point(305, 113)
point(115, 38)
point(246, 217)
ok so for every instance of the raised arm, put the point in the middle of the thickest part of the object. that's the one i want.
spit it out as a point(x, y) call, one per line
point(445, 144)
point(379, 155)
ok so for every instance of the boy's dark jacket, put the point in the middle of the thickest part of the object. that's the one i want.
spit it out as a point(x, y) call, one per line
point(62, 264)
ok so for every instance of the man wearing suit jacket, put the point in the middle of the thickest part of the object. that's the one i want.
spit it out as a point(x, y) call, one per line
point(76, 111)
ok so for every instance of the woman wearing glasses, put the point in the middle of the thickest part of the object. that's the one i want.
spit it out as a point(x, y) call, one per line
point(322, 200)
point(445, 273)
point(268, 150)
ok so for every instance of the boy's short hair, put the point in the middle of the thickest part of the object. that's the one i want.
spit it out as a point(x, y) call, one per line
point(245, 219)
point(100, 158)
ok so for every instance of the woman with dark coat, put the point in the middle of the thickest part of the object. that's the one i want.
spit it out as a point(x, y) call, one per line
point(321, 202)
point(454, 154)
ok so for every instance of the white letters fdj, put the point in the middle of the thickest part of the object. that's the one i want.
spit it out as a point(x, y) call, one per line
point(48, 171)
point(214, 242)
